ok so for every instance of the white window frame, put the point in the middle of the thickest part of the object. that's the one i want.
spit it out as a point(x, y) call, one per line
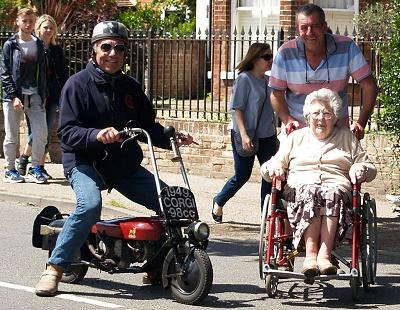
point(355, 10)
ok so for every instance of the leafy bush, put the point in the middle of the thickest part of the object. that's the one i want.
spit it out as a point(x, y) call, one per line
point(389, 80)
point(148, 15)
point(378, 22)
point(374, 19)
point(7, 12)
point(68, 14)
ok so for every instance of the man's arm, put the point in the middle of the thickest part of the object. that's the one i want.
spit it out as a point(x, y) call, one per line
point(280, 106)
point(370, 91)
point(5, 73)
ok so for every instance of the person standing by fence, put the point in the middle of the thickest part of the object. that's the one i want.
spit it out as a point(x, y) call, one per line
point(315, 60)
point(253, 133)
point(46, 30)
point(23, 76)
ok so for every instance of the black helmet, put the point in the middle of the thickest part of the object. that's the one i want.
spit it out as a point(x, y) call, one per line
point(109, 29)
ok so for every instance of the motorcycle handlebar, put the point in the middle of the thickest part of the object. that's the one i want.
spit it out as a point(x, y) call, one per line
point(130, 133)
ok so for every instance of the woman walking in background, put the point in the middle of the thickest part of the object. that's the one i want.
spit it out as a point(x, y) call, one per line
point(252, 127)
point(46, 30)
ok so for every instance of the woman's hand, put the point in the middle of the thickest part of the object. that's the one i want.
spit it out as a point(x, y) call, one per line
point(358, 173)
point(247, 143)
point(278, 172)
point(270, 169)
point(108, 135)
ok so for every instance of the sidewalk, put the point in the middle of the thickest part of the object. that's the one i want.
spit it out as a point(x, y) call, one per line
point(242, 208)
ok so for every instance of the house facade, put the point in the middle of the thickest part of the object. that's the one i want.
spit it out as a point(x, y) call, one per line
point(248, 21)
point(230, 14)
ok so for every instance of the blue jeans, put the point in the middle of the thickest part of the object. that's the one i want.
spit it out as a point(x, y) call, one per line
point(87, 185)
point(243, 169)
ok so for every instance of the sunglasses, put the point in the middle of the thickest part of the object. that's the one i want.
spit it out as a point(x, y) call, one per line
point(267, 57)
point(118, 48)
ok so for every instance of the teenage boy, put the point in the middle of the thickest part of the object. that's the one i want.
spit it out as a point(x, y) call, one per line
point(22, 72)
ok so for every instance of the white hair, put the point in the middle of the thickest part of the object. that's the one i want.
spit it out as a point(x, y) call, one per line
point(327, 96)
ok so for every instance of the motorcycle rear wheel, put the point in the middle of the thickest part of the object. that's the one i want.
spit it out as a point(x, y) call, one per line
point(74, 273)
point(195, 283)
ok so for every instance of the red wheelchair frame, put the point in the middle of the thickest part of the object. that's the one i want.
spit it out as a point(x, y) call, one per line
point(273, 253)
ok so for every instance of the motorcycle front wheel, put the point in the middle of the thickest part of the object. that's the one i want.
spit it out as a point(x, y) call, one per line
point(193, 283)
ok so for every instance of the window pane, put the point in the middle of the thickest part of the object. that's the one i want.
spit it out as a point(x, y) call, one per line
point(272, 5)
point(247, 3)
point(338, 4)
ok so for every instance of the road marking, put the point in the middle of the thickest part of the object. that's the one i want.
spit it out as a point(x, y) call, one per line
point(63, 296)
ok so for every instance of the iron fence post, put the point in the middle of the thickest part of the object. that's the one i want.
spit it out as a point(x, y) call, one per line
point(149, 90)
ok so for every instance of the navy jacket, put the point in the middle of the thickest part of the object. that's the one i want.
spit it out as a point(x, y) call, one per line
point(92, 100)
point(10, 70)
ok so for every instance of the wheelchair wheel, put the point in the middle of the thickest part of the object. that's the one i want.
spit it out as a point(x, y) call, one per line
point(369, 249)
point(271, 285)
point(263, 241)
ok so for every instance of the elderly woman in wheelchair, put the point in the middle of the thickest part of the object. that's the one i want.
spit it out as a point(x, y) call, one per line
point(319, 163)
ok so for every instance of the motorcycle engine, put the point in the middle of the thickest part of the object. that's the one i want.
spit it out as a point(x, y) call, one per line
point(132, 252)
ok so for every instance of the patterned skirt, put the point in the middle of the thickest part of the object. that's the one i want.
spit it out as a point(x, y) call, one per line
point(307, 202)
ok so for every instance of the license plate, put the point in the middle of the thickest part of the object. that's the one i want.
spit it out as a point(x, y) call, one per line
point(179, 203)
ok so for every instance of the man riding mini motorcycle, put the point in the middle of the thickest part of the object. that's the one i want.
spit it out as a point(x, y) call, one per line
point(96, 104)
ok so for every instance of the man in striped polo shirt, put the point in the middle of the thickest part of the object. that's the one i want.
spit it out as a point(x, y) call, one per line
point(314, 60)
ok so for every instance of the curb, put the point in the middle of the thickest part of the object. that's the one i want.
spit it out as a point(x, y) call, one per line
point(43, 202)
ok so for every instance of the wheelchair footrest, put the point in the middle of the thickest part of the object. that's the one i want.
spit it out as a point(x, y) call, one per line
point(298, 275)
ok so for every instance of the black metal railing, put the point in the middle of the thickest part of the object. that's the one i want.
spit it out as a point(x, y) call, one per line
point(190, 75)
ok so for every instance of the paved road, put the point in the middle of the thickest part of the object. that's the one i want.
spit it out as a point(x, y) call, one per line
point(233, 251)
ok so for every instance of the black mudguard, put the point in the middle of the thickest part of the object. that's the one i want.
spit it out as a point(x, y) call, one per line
point(51, 216)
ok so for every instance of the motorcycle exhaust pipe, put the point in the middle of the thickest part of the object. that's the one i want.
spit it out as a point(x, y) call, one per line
point(49, 230)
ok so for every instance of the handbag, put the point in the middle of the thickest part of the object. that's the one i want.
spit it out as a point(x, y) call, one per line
point(252, 133)
point(237, 138)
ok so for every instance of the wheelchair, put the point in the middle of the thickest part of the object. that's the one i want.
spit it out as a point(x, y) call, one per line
point(275, 256)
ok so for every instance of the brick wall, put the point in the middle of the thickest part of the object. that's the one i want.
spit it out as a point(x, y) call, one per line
point(169, 78)
point(287, 19)
point(213, 157)
point(221, 24)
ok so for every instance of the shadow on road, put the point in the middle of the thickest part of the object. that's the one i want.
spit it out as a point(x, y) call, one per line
point(119, 290)
point(388, 240)
point(326, 295)
point(229, 247)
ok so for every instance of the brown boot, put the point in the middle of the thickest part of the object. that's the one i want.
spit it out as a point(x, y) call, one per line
point(48, 283)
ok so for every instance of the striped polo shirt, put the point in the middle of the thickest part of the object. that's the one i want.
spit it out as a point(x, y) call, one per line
point(343, 59)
